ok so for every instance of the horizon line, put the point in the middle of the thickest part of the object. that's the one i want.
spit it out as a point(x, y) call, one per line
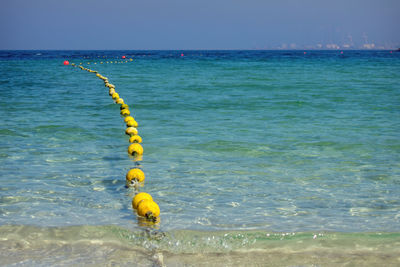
point(218, 49)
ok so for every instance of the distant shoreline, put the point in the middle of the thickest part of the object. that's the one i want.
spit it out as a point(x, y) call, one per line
point(333, 50)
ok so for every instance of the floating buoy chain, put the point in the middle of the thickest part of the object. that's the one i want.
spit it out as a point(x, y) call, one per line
point(125, 60)
point(143, 202)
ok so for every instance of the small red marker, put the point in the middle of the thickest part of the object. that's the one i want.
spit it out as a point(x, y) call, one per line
point(391, 52)
point(123, 56)
point(305, 52)
point(182, 55)
point(341, 52)
point(66, 62)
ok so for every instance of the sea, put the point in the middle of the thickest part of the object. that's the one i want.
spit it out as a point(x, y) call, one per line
point(255, 158)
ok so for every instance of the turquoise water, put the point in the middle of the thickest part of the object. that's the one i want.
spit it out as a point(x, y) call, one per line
point(276, 141)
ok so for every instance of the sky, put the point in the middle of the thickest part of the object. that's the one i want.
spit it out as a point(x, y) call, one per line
point(201, 24)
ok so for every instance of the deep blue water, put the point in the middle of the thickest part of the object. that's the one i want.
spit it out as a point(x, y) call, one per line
point(265, 140)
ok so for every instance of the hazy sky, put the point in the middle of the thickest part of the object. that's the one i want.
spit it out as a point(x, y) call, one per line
point(189, 24)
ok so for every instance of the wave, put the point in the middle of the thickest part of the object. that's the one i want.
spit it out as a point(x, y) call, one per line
point(113, 245)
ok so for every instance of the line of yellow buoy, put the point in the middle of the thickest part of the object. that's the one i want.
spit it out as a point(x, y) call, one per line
point(142, 202)
point(107, 62)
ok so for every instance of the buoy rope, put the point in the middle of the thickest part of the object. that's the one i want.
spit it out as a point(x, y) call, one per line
point(147, 209)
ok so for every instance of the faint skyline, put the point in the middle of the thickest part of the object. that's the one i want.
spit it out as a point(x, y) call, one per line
point(183, 24)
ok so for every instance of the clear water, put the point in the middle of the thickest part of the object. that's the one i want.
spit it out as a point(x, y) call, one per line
point(233, 140)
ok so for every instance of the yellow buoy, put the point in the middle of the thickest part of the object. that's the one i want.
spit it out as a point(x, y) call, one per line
point(135, 174)
point(149, 209)
point(128, 118)
point(110, 85)
point(135, 139)
point(119, 101)
point(111, 91)
point(125, 112)
point(132, 123)
point(123, 106)
point(135, 149)
point(131, 130)
point(139, 197)
point(115, 96)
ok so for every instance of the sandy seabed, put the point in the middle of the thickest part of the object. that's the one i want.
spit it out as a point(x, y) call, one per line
point(115, 246)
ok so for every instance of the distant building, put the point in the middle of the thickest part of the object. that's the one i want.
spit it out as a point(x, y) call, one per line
point(368, 46)
point(332, 46)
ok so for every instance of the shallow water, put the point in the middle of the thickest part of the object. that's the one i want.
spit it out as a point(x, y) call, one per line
point(115, 246)
point(271, 141)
